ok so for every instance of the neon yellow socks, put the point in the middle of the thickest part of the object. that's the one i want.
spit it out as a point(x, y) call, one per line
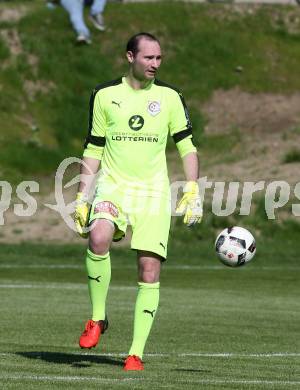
point(145, 311)
point(99, 273)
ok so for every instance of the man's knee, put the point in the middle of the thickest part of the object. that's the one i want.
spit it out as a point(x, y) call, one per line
point(149, 268)
point(101, 237)
point(99, 246)
point(149, 276)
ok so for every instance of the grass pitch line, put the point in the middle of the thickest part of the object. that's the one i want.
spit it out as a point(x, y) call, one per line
point(241, 382)
point(232, 354)
point(68, 378)
point(79, 266)
point(120, 381)
point(43, 266)
point(176, 267)
point(60, 286)
point(185, 354)
point(202, 354)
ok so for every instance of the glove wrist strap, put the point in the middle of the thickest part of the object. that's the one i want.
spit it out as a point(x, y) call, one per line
point(81, 197)
point(192, 187)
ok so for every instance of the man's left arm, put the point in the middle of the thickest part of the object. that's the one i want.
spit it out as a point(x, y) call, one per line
point(191, 166)
point(191, 202)
point(181, 131)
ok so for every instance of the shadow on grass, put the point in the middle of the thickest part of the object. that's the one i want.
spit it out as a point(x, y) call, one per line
point(75, 360)
point(189, 370)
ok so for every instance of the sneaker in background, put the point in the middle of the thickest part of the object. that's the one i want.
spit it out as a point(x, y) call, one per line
point(83, 40)
point(98, 22)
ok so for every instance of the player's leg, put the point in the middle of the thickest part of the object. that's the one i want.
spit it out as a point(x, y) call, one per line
point(108, 223)
point(99, 273)
point(98, 265)
point(150, 239)
point(145, 307)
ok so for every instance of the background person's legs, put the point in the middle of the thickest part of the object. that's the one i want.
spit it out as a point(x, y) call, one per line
point(75, 10)
point(96, 14)
point(98, 7)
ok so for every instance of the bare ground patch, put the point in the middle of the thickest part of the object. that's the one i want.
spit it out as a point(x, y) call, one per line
point(12, 39)
point(12, 15)
point(33, 88)
point(269, 126)
point(261, 113)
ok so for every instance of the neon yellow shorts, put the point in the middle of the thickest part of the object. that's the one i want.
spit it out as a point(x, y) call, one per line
point(149, 218)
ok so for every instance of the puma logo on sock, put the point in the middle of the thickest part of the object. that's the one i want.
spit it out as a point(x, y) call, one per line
point(149, 312)
point(96, 278)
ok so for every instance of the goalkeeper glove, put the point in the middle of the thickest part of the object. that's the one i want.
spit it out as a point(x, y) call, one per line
point(191, 204)
point(81, 215)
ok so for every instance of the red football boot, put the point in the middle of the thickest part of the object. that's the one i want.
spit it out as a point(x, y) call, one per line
point(133, 363)
point(92, 333)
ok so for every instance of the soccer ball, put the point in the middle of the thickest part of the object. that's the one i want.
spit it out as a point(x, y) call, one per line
point(235, 246)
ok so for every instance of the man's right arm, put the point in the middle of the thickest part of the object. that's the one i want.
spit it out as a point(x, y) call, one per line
point(88, 170)
point(94, 143)
point(93, 151)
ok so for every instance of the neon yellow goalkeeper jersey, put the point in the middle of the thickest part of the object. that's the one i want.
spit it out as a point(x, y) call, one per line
point(128, 131)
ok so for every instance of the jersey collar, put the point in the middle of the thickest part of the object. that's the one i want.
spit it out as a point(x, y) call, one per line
point(124, 81)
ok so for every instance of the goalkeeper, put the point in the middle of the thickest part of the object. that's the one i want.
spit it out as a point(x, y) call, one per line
point(130, 119)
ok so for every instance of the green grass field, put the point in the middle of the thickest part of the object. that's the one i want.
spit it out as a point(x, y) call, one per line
point(217, 328)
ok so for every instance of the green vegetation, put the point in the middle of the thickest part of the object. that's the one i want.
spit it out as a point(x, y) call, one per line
point(292, 156)
point(47, 79)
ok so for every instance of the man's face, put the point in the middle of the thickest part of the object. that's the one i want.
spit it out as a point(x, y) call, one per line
point(147, 60)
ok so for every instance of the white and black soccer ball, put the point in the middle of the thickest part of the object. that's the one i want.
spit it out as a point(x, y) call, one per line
point(235, 246)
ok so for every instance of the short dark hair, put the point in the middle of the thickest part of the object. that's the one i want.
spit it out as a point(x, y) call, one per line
point(133, 43)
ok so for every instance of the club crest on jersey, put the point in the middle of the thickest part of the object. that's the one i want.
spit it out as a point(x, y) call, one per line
point(154, 108)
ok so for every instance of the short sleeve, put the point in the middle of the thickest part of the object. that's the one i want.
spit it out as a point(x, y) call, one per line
point(97, 120)
point(95, 141)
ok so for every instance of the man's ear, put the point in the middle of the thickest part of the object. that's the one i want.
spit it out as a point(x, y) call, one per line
point(130, 57)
